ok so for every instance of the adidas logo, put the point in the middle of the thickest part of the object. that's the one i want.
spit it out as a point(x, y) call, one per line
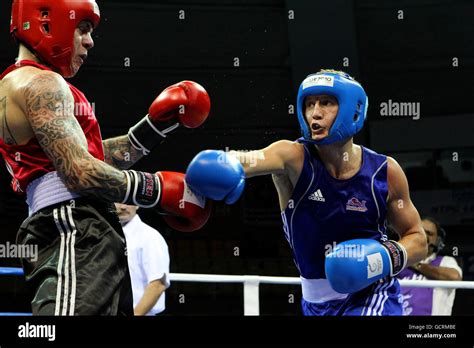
point(317, 196)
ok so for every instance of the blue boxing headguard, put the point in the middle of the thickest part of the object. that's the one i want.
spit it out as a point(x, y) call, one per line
point(353, 103)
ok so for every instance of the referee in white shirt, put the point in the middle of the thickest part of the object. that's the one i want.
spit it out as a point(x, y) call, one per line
point(148, 261)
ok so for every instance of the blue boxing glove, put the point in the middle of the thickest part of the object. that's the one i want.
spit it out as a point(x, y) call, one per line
point(216, 175)
point(355, 264)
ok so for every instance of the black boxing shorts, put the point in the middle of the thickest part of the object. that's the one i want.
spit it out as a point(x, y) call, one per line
point(81, 267)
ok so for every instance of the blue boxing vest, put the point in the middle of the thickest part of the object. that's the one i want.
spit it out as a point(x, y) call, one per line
point(324, 211)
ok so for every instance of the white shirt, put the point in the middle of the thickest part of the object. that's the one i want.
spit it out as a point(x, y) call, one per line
point(443, 298)
point(148, 260)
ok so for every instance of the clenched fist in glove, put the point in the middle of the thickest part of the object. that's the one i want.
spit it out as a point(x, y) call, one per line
point(185, 103)
point(168, 193)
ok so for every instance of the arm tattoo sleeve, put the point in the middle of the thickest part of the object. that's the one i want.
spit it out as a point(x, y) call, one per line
point(49, 108)
point(119, 153)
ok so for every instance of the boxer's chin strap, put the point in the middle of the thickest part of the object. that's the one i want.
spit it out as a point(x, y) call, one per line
point(143, 189)
point(144, 136)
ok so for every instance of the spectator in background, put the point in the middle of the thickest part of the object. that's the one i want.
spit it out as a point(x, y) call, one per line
point(429, 301)
point(148, 261)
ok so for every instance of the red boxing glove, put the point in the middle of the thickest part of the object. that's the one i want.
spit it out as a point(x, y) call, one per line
point(184, 211)
point(185, 103)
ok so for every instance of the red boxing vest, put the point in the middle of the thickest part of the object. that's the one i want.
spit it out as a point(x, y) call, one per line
point(28, 162)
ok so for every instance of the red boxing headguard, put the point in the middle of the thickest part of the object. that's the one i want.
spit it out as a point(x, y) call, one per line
point(47, 27)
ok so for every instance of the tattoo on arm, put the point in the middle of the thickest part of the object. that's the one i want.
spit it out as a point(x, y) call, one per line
point(6, 134)
point(49, 109)
point(119, 153)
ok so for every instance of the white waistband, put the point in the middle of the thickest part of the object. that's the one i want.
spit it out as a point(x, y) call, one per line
point(47, 190)
point(319, 290)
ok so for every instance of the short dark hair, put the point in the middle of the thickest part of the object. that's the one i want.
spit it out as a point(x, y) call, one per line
point(439, 231)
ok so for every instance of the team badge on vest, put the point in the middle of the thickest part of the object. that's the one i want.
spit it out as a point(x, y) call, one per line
point(317, 196)
point(354, 204)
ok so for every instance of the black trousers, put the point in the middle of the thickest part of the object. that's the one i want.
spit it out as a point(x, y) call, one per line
point(81, 267)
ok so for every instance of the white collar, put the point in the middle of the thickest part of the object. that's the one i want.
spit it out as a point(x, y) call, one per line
point(430, 258)
point(133, 223)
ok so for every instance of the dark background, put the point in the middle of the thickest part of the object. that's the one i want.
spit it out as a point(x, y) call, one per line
point(425, 57)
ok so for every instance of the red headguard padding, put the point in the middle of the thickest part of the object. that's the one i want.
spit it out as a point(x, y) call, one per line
point(47, 27)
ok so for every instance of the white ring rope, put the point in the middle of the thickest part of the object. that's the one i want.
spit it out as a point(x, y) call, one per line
point(252, 282)
point(222, 278)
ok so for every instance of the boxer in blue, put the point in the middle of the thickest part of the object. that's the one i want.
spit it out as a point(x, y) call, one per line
point(335, 197)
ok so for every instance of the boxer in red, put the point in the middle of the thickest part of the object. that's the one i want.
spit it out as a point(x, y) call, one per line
point(51, 142)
